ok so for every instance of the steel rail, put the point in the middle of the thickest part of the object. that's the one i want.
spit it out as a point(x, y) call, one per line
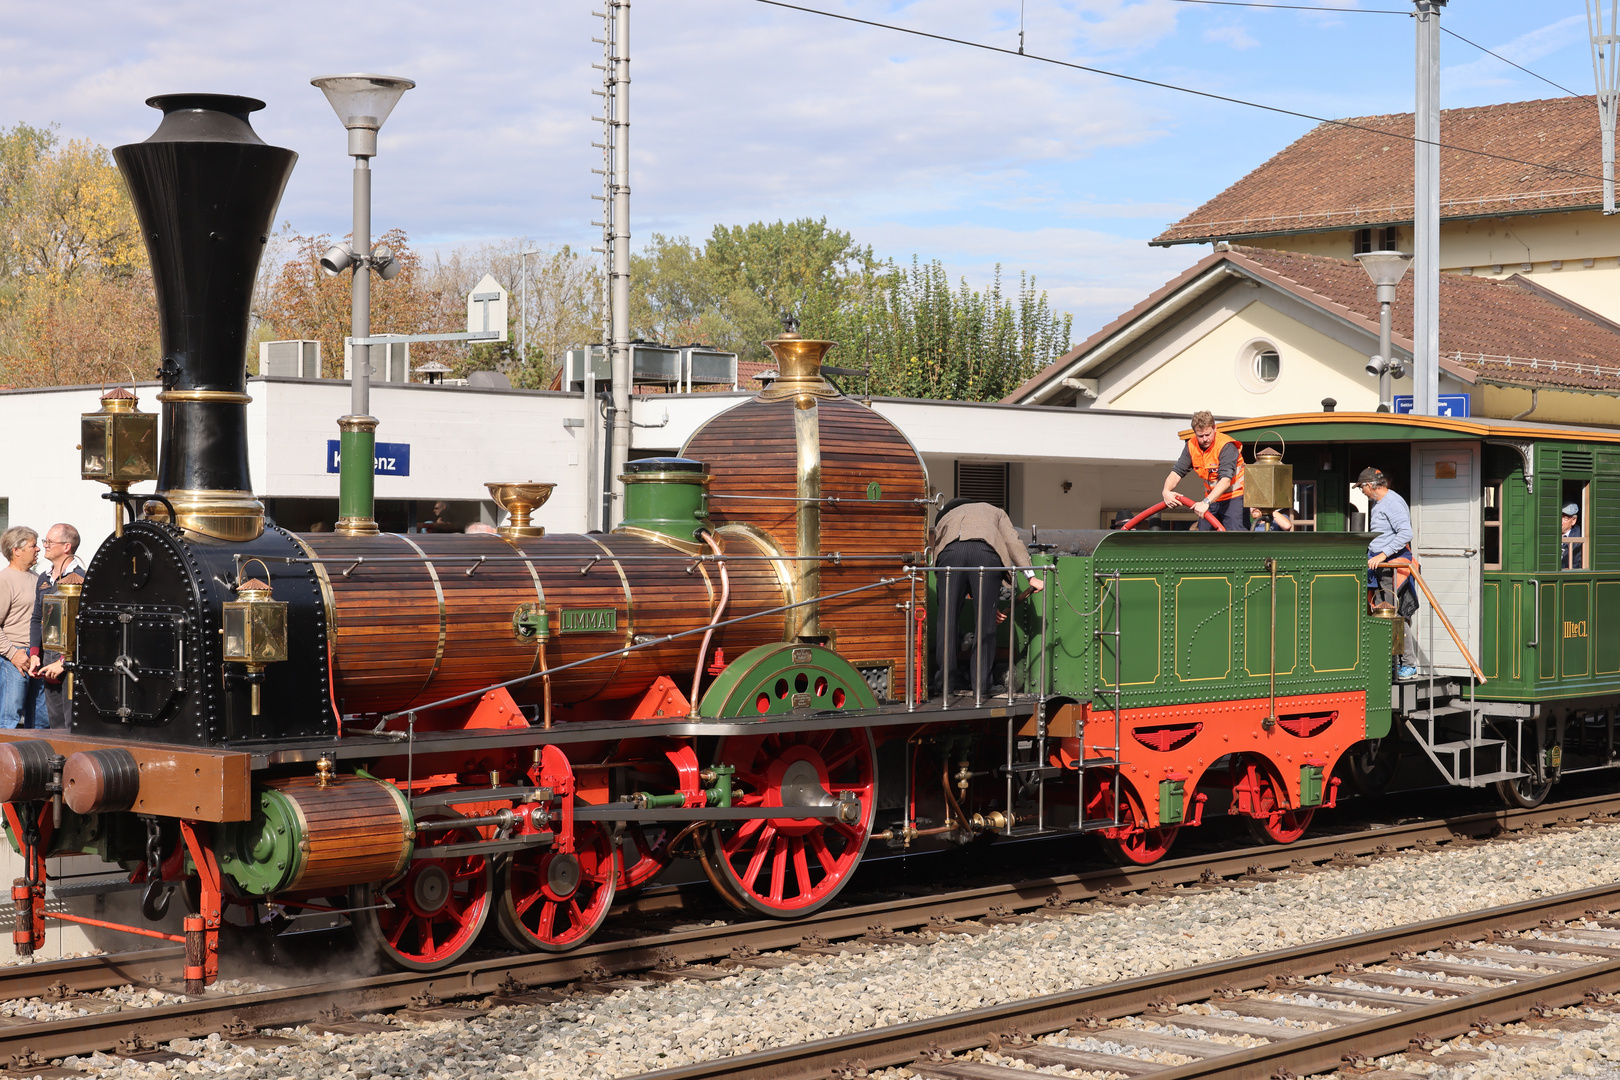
point(297, 1004)
point(901, 1044)
point(81, 974)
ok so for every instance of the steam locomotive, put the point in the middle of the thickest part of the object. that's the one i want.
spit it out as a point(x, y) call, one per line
point(434, 736)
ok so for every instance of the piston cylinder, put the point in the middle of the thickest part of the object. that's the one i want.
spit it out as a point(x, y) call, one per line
point(305, 837)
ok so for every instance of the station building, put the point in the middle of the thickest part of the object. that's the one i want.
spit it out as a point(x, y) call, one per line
point(1049, 467)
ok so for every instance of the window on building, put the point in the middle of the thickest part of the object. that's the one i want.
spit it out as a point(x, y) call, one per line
point(1573, 551)
point(1258, 366)
point(5, 514)
point(986, 481)
point(1490, 524)
point(1387, 238)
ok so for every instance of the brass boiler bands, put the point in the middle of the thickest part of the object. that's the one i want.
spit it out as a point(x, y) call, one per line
point(419, 627)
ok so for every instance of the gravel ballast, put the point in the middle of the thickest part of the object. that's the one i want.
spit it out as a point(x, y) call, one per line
point(637, 1030)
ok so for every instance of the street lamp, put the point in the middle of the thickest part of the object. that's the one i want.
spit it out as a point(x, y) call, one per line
point(1386, 268)
point(362, 102)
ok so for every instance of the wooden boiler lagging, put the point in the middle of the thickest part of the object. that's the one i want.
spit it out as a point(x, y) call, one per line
point(820, 474)
point(412, 626)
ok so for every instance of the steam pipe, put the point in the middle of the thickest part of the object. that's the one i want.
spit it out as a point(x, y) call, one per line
point(719, 613)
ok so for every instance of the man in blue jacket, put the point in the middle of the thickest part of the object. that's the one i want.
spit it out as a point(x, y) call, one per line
point(1390, 519)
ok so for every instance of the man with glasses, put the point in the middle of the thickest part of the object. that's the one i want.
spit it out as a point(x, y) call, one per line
point(1389, 587)
point(62, 565)
point(21, 703)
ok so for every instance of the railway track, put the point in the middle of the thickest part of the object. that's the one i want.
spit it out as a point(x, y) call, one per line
point(658, 952)
point(1161, 1012)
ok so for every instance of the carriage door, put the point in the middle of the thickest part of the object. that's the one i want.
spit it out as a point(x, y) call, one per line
point(1445, 536)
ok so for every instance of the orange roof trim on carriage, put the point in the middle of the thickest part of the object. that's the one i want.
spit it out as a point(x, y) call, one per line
point(1442, 426)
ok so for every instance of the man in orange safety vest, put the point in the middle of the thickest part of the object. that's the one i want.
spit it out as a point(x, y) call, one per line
point(1218, 460)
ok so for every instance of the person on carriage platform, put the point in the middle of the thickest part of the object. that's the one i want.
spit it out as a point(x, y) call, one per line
point(1217, 458)
point(1390, 520)
point(974, 535)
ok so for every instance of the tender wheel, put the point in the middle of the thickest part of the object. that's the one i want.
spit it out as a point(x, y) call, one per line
point(1134, 843)
point(1371, 764)
point(1273, 825)
point(783, 867)
point(438, 907)
point(1526, 792)
point(551, 901)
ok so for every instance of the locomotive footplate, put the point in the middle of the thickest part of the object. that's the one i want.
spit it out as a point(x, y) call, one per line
point(192, 783)
point(893, 714)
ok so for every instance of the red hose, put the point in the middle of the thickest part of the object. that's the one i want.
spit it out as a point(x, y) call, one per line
point(1156, 507)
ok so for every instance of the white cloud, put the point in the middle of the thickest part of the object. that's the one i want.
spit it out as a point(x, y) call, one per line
point(1234, 36)
point(1487, 71)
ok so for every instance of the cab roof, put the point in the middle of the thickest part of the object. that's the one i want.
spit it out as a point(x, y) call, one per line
point(1402, 427)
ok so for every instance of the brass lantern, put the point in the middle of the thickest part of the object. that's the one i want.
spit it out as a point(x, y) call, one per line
point(1268, 484)
point(254, 631)
point(118, 444)
point(59, 622)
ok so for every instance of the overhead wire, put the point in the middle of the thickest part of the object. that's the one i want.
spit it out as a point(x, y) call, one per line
point(985, 47)
point(1372, 11)
point(1505, 60)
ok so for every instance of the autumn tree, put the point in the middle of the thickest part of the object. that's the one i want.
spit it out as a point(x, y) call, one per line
point(301, 302)
point(76, 302)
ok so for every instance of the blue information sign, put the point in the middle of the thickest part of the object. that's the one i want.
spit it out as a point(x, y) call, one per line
point(1450, 404)
point(392, 458)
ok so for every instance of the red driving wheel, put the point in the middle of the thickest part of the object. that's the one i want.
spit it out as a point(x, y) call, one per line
point(432, 914)
point(785, 867)
point(553, 901)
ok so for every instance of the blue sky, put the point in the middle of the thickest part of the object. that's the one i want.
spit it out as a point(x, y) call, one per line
point(742, 111)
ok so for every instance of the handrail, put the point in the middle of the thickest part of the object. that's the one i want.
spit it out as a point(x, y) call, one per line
point(1438, 610)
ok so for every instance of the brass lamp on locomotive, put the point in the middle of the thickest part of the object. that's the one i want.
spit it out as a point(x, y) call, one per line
point(435, 734)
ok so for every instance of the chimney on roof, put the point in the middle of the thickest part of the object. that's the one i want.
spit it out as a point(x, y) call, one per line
point(1329, 404)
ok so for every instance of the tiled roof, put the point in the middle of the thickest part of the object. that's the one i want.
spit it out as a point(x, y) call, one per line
point(1510, 332)
point(1337, 177)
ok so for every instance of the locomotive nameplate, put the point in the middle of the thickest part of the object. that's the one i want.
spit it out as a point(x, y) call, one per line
point(588, 621)
point(176, 781)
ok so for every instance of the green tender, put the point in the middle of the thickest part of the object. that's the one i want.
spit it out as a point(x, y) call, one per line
point(1193, 614)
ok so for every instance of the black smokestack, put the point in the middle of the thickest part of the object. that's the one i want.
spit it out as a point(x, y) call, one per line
point(205, 188)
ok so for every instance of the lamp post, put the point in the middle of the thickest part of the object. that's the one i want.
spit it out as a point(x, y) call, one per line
point(362, 102)
point(523, 306)
point(1386, 268)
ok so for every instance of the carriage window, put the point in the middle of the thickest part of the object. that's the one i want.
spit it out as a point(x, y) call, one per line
point(1305, 506)
point(1573, 527)
point(1490, 523)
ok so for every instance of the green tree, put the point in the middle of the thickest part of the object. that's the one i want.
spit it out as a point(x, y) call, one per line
point(923, 339)
point(731, 293)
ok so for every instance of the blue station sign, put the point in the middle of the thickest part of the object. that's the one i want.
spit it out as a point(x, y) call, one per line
point(391, 458)
point(1453, 405)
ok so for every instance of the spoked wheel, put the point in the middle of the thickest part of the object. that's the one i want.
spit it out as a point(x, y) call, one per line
point(428, 918)
point(643, 854)
point(1274, 822)
point(552, 901)
point(784, 867)
point(1525, 792)
point(1134, 843)
point(1371, 764)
